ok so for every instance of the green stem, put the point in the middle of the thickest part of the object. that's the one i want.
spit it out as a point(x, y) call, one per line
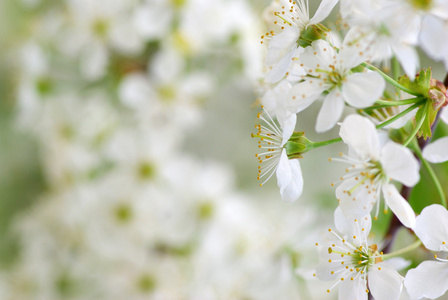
point(414, 131)
point(400, 102)
point(396, 68)
point(398, 116)
point(390, 80)
point(404, 250)
point(430, 171)
point(324, 143)
point(379, 126)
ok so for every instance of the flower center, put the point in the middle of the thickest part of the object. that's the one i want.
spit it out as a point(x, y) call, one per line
point(312, 33)
point(335, 78)
point(422, 4)
point(100, 28)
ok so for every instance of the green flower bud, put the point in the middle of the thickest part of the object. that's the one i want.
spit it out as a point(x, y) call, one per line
point(297, 145)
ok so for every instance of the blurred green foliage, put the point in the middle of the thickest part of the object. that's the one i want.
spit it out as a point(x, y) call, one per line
point(21, 181)
point(425, 193)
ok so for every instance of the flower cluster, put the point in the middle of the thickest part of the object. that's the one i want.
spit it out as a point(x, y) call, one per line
point(353, 67)
point(110, 91)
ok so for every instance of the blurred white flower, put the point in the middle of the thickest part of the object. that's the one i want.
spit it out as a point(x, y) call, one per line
point(166, 97)
point(375, 30)
point(153, 18)
point(98, 28)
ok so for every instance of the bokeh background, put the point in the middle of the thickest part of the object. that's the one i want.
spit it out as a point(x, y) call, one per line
point(127, 170)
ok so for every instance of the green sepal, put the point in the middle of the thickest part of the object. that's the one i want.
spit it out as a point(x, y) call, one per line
point(358, 69)
point(312, 33)
point(297, 145)
point(427, 112)
point(421, 84)
point(434, 99)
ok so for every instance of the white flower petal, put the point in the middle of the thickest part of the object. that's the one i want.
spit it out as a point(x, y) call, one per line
point(323, 11)
point(431, 36)
point(399, 206)
point(288, 125)
point(429, 279)
point(361, 135)
point(289, 178)
point(279, 70)
point(281, 44)
point(355, 289)
point(303, 95)
point(432, 227)
point(356, 204)
point(399, 263)
point(384, 282)
point(330, 112)
point(444, 115)
point(348, 226)
point(275, 101)
point(296, 72)
point(408, 58)
point(354, 48)
point(325, 269)
point(363, 89)
point(437, 151)
point(320, 55)
point(400, 164)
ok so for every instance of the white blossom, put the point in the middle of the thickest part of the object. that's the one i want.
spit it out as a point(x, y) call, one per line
point(274, 158)
point(333, 81)
point(372, 166)
point(294, 19)
point(352, 262)
point(430, 278)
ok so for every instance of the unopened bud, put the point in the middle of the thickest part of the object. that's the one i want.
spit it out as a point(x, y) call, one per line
point(438, 94)
point(297, 145)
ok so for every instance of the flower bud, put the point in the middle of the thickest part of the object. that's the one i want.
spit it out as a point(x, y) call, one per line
point(297, 145)
point(438, 94)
